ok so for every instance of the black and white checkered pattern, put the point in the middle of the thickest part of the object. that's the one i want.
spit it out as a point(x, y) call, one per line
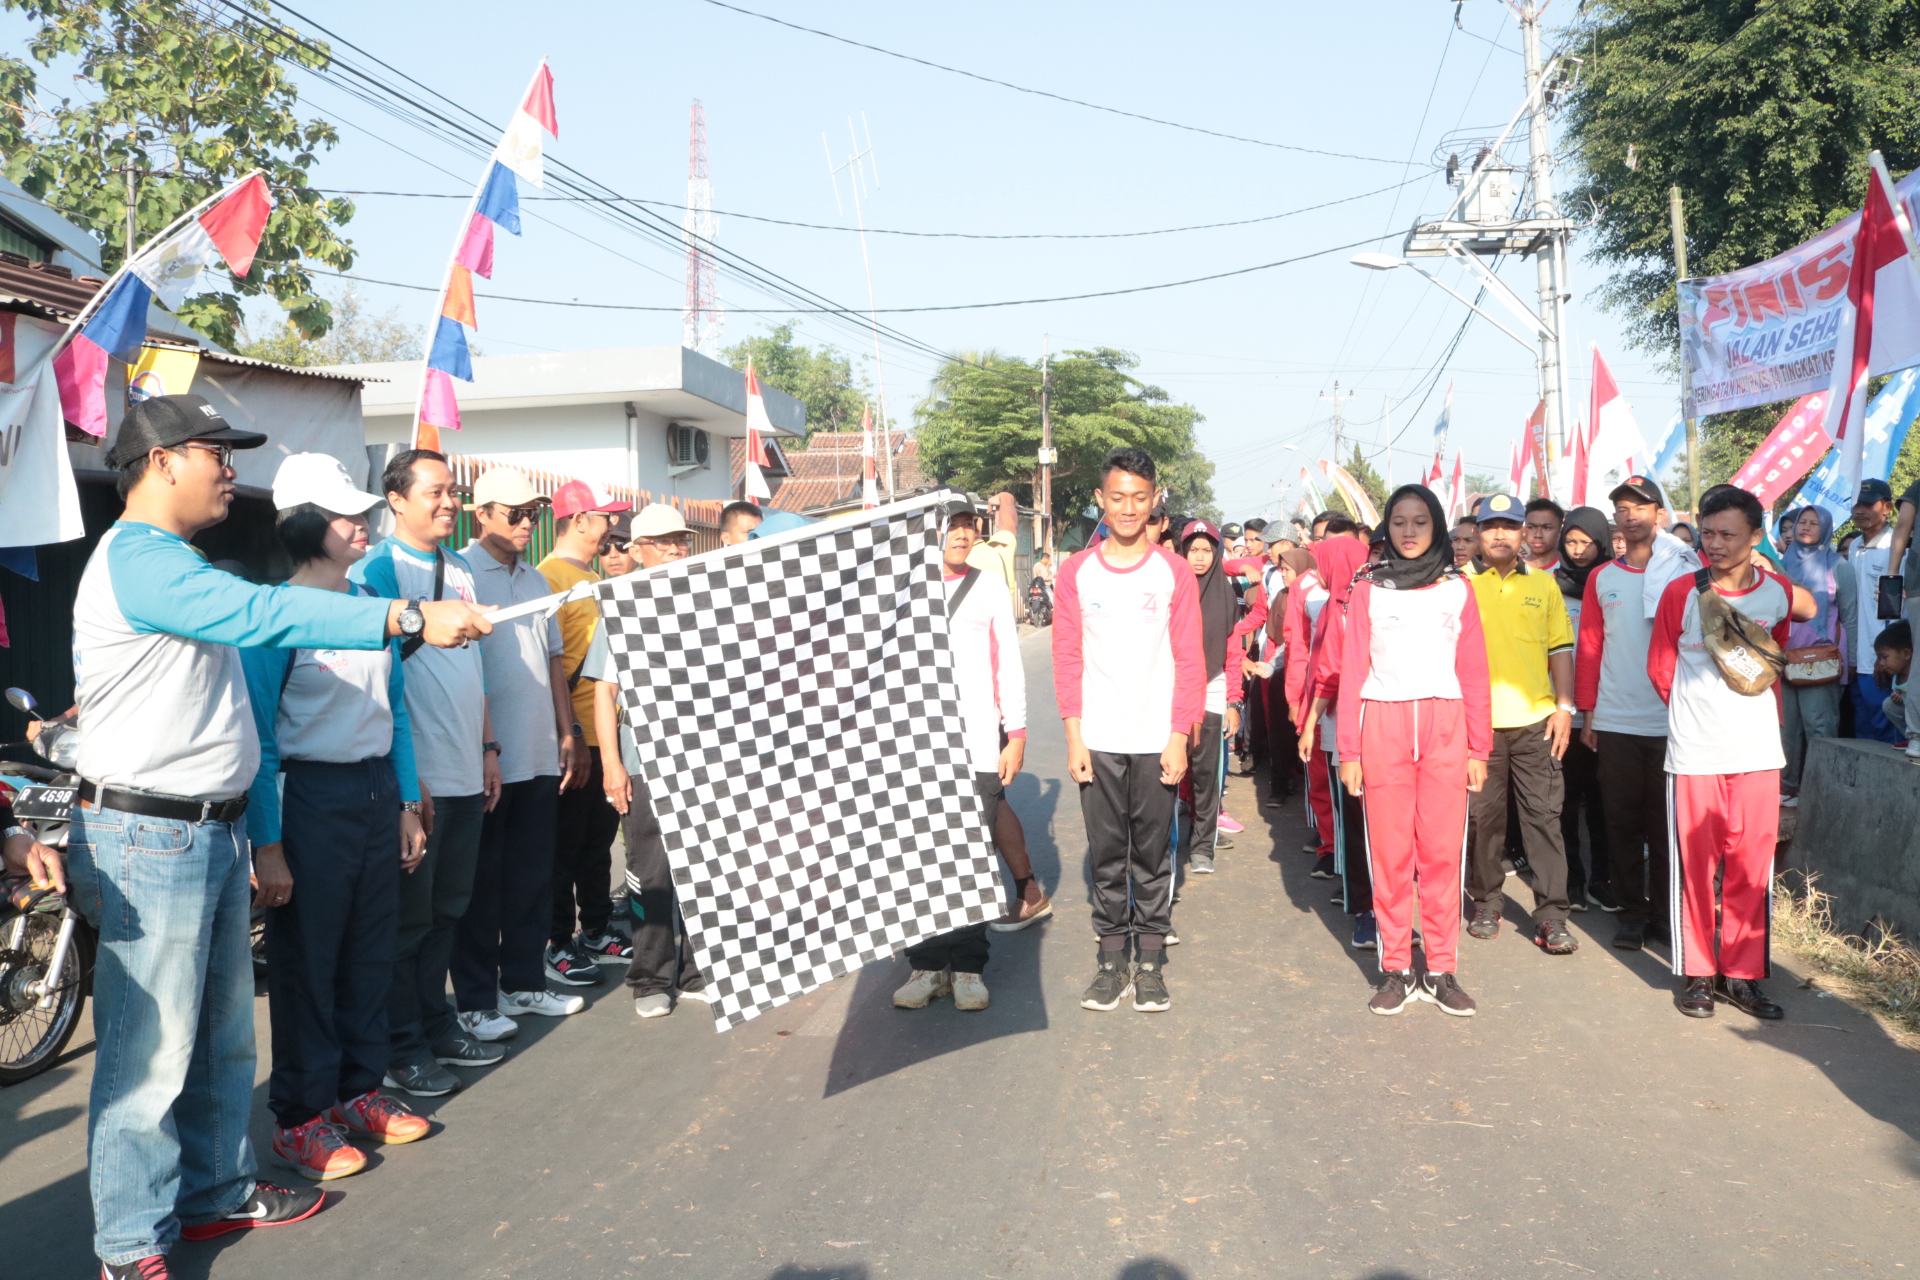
point(799, 730)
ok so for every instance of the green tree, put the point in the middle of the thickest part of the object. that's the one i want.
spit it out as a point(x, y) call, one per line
point(353, 338)
point(979, 428)
point(187, 103)
point(819, 377)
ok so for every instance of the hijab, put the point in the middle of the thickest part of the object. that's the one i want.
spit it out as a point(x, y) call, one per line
point(1339, 558)
point(1398, 572)
point(1813, 568)
point(1300, 560)
point(1571, 577)
point(1219, 606)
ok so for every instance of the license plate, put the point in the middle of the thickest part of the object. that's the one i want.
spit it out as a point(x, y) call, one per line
point(50, 804)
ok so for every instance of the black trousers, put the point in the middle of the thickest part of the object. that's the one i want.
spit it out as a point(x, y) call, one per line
point(583, 858)
point(1283, 740)
point(1350, 846)
point(1204, 767)
point(1253, 714)
point(1521, 763)
point(1633, 795)
point(660, 963)
point(501, 942)
point(432, 900)
point(1580, 768)
point(1128, 814)
point(963, 950)
point(330, 949)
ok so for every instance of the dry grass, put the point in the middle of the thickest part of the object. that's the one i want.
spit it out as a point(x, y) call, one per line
point(1879, 974)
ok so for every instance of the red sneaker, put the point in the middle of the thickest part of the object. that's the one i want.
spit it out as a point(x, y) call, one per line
point(374, 1115)
point(318, 1150)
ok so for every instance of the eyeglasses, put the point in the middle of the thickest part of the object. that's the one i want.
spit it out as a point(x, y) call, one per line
point(521, 515)
point(222, 453)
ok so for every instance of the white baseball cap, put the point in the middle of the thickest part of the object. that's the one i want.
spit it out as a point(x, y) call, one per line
point(658, 520)
point(506, 487)
point(322, 480)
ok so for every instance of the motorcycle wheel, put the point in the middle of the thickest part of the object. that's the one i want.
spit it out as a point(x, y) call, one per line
point(31, 1038)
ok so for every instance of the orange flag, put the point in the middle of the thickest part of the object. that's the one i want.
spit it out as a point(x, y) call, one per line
point(458, 304)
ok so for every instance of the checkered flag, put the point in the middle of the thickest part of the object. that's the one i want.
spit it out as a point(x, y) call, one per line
point(799, 732)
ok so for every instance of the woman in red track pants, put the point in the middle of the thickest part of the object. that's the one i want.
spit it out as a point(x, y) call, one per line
point(1415, 728)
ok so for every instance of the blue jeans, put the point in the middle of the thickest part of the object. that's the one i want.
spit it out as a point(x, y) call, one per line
point(1869, 721)
point(173, 1017)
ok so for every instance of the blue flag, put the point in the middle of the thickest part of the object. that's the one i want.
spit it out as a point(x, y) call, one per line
point(1889, 417)
point(500, 198)
point(450, 352)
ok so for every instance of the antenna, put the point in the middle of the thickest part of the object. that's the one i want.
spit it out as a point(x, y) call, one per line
point(856, 165)
point(702, 320)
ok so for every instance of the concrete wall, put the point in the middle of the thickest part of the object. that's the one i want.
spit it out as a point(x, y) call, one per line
point(1859, 830)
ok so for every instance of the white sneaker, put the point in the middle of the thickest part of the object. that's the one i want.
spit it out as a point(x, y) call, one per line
point(923, 988)
point(704, 995)
point(969, 992)
point(544, 1003)
point(657, 1005)
point(489, 1025)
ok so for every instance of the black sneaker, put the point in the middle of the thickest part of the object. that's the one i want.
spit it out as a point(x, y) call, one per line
point(1745, 995)
point(1631, 935)
point(572, 966)
point(153, 1268)
point(268, 1206)
point(603, 946)
point(1552, 937)
point(1602, 897)
point(1442, 990)
point(1149, 985)
point(422, 1080)
point(1312, 845)
point(1485, 924)
point(1323, 869)
point(466, 1051)
point(1697, 1000)
point(1200, 865)
point(1394, 994)
point(1110, 985)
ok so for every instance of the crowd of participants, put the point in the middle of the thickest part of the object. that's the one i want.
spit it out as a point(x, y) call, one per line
point(423, 804)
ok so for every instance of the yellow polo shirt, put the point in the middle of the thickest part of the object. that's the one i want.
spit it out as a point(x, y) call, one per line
point(577, 624)
point(1525, 621)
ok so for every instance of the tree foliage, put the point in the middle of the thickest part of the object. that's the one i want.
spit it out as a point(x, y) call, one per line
point(189, 104)
point(819, 377)
point(353, 338)
point(979, 428)
point(1762, 113)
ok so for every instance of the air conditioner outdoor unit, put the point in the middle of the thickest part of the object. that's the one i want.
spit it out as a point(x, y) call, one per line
point(688, 446)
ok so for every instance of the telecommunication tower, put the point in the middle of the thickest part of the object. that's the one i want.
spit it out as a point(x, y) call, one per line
point(702, 320)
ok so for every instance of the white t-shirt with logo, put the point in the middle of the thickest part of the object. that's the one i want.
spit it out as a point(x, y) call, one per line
point(1711, 729)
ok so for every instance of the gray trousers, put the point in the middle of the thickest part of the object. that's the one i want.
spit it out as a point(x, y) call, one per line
point(1809, 711)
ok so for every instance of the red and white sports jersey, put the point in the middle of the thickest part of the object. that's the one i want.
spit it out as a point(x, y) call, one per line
point(1610, 664)
point(1710, 728)
point(1127, 655)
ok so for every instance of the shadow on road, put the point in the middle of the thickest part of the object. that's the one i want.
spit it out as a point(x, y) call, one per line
point(853, 1271)
point(1152, 1269)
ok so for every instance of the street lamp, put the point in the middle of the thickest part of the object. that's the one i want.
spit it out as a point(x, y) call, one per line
point(1386, 262)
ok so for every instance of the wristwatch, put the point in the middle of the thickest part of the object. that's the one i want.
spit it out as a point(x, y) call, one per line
point(1568, 707)
point(578, 732)
point(412, 621)
point(16, 831)
point(410, 806)
point(490, 746)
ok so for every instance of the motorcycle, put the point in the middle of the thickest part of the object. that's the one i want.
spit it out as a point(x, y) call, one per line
point(1040, 603)
point(46, 948)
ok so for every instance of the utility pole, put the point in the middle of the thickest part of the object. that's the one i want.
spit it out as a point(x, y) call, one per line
point(1678, 214)
point(700, 321)
point(856, 165)
point(1046, 445)
point(133, 213)
point(1550, 259)
point(1338, 423)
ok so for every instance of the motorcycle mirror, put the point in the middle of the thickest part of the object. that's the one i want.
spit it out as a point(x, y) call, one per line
point(23, 702)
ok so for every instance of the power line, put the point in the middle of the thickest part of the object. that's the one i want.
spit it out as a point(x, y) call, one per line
point(1043, 93)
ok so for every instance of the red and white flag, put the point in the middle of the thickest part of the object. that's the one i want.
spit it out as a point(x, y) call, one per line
point(522, 148)
point(1516, 468)
point(229, 229)
point(1457, 500)
point(753, 481)
point(869, 486)
point(1613, 437)
point(1881, 240)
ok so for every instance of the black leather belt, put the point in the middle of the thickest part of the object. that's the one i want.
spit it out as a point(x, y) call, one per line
point(148, 805)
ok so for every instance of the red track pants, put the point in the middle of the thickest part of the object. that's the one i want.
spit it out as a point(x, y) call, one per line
point(1413, 761)
point(1716, 821)
point(1320, 794)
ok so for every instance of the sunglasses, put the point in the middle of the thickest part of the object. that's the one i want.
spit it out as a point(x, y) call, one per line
point(222, 453)
point(521, 515)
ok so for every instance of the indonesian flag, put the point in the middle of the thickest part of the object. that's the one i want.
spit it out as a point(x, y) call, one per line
point(1613, 437)
point(227, 230)
point(1443, 425)
point(1881, 240)
point(869, 486)
point(753, 481)
point(1516, 468)
point(1433, 474)
point(1457, 500)
point(521, 146)
point(1582, 458)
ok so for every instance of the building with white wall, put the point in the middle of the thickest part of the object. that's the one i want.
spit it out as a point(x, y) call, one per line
point(654, 418)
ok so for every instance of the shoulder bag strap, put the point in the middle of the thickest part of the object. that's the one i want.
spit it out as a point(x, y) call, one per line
point(960, 592)
point(411, 645)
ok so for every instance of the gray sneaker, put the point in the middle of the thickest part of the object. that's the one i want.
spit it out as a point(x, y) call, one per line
point(1150, 984)
point(1110, 984)
point(1440, 989)
point(1200, 864)
point(422, 1079)
point(465, 1051)
point(657, 1005)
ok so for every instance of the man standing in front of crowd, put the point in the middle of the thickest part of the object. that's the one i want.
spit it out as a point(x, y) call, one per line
point(738, 520)
point(1869, 556)
point(1530, 664)
point(1545, 519)
point(169, 752)
point(458, 763)
point(499, 970)
point(584, 517)
point(993, 705)
point(1723, 760)
point(1626, 717)
point(1130, 678)
point(661, 971)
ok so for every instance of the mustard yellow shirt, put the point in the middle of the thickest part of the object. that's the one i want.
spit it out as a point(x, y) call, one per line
point(1524, 619)
point(577, 623)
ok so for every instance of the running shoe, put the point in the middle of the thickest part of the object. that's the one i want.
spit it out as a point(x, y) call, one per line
point(922, 988)
point(317, 1150)
point(544, 1004)
point(422, 1080)
point(1394, 994)
point(1601, 896)
point(1200, 864)
point(1553, 938)
point(1485, 924)
point(461, 1050)
point(1313, 846)
point(1150, 985)
point(378, 1118)
point(969, 992)
point(1366, 934)
point(657, 1005)
point(149, 1268)
point(1228, 825)
point(604, 947)
point(701, 994)
point(1111, 983)
point(574, 967)
point(268, 1206)
point(1442, 990)
point(488, 1025)
point(1323, 869)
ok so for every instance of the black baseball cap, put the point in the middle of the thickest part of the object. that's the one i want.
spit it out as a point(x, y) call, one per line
point(1642, 488)
point(1874, 491)
point(164, 422)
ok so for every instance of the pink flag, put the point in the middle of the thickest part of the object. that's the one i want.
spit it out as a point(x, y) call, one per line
point(869, 494)
point(1457, 506)
point(1797, 442)
point(439, 406)
point(81, 372)
point(1515, 469)
point(476, 250)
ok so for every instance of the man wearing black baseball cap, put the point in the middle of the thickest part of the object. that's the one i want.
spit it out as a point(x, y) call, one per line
point(169, 754)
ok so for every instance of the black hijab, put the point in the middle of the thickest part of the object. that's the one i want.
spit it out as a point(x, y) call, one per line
point(1571, 577)
point(1219, 606)
point(1398, 573)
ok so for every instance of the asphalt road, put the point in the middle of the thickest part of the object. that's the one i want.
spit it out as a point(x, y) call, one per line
point(1266, 1126)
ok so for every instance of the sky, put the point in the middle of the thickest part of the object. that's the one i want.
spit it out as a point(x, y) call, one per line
point(1385, 84)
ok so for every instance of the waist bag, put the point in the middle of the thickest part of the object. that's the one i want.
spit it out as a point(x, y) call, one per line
point(1747, 656)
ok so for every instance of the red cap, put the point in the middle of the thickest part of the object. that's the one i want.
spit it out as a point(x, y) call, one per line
point(576, 496)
